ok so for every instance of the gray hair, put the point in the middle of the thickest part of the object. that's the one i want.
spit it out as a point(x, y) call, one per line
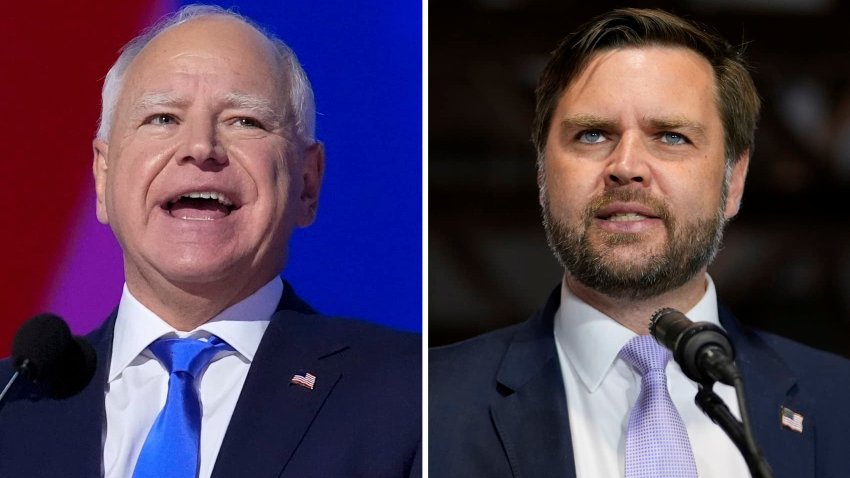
point(302, 107)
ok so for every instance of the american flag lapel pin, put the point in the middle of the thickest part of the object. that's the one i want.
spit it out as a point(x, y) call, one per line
point(791, 420)
point(303, 379)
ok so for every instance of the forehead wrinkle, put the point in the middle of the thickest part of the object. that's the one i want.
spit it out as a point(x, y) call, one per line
point(155, 99)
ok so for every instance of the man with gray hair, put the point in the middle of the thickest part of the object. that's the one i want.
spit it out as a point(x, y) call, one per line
point(205, 162)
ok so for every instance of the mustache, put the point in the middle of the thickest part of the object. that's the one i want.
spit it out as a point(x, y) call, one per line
point(658, 207)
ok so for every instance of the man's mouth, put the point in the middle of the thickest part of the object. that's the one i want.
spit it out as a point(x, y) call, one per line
point(629, 216)
point(625, 217)
point(200, 206)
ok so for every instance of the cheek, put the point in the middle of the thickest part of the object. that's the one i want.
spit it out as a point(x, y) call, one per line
point(269, 170)
point(694, 190)
point(135, 167)
point(569, 187)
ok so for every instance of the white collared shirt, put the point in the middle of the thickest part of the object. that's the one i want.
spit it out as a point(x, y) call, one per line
point(138, 383)
point(601, 389)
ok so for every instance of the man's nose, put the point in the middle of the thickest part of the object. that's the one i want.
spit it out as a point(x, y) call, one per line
point(628, 163)
point(201, 144)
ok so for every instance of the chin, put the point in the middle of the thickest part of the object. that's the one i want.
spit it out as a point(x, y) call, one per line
point(199, 276)
point(198, 267)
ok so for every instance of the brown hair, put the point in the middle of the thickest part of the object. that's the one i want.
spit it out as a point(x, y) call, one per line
point(737, 100)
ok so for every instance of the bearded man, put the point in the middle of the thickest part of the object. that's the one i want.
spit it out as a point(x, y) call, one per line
point(644, 130)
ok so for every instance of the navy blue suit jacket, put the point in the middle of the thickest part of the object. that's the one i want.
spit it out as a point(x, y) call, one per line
point(362, 419)
point(497, 406)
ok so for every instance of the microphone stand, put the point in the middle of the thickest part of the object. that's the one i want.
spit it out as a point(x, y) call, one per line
point(9, 385)
point(740, 433)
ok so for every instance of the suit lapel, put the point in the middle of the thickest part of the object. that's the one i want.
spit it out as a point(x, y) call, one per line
point(531, 413)
point(770, 385)
point(90, 403)
point(273, 415)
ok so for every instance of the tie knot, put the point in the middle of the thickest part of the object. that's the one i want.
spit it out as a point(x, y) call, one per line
point(645, 354)
point(187, 355)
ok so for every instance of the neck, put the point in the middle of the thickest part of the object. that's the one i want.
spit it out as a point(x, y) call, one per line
point(635, 314)
point(188, 306)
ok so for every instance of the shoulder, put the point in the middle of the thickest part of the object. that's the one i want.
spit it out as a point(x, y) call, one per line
point(296, 317)
point(811, 366)
point(473, 365)
point(362, 351)
point(813, 382)
point(474, 355)
point(463, 376)
point(762, 350)
point(368, 338)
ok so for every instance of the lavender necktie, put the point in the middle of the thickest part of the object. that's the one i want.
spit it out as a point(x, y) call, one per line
point(657, 444)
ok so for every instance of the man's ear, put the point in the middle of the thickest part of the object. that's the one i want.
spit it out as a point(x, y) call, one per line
point(736, 185)
point(100, 169)
point(312, 173)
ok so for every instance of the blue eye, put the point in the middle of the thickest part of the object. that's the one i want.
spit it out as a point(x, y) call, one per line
point(591, 137)
point(161, 119)
point(248, 123)
point(673, 138)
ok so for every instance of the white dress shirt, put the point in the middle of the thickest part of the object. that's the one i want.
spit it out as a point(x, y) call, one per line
point(601, 389)
point(138, 383)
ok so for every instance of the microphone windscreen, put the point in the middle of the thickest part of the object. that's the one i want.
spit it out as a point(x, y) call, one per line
point(45, 352)
point(40, 345)
point(667, 326)
point(76, 371)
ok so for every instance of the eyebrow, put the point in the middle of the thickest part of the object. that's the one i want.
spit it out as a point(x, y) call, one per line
point(585, 121)
point(677, 123)
point(157, 99)
point(258, 105)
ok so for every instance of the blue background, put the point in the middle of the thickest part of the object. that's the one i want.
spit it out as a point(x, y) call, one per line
point(363, 255)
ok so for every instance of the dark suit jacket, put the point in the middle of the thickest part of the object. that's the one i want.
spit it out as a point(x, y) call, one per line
point(497, 406)
point(362, 419)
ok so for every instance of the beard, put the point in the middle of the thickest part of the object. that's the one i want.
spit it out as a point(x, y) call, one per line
point(589, 253)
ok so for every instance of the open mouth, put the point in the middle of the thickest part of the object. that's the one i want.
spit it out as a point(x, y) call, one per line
point(200, 206)
point(624, 217)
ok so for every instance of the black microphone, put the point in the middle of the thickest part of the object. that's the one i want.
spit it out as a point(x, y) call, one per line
point(702, 349)
point(45, 352)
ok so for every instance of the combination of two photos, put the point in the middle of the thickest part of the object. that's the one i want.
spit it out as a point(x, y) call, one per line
point(470, 239)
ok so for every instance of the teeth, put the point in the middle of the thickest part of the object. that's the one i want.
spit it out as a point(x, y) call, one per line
point(629, 216)
point(208, 195)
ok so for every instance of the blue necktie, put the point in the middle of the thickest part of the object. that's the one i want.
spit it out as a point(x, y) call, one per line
point(171, 448)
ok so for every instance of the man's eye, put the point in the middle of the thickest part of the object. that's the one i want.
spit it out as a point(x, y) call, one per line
point(673, 138)
point(161, 120)
point(248, 123)
point(591, 137)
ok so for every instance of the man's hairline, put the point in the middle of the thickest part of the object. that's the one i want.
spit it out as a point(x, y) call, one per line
point(277, 63)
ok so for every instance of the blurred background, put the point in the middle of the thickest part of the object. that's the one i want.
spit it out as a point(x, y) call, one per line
point(785, 266)
point(363, 255)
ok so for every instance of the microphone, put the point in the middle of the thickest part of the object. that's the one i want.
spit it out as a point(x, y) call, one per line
point(704, 352)
point(45, 352)
point(702, 349)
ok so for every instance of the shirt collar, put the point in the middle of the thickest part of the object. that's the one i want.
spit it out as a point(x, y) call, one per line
point(592, 341)
point(241, 325)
